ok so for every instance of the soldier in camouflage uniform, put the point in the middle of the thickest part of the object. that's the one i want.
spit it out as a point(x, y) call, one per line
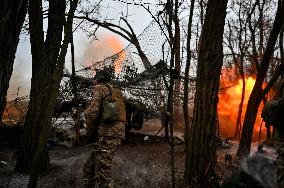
point(280, 141)
point(97, 169)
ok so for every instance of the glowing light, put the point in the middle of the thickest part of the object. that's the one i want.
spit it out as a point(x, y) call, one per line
point(107, 46)
point(118, 62)
point(13, 113)
point(229, 101)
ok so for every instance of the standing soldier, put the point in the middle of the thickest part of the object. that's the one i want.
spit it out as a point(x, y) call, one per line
point(279, 134)
point(97, 169)
point(272, 113)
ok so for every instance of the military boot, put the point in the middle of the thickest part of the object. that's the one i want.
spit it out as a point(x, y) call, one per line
point(89, 183)
point(106, 184)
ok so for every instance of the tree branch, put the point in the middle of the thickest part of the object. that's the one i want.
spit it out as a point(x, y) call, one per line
point(108, 26)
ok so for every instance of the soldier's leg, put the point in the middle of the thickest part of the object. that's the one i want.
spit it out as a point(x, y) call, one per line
point(108, 148)
point(90, 167)
point(280, 164)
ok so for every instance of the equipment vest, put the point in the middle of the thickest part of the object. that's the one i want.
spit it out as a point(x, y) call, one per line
point(113, 106)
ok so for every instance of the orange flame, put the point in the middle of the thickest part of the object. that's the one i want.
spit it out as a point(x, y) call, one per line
point(116, 47)
point(119, 61)
point(11, 114)
point(228, 106)
point(107, 46)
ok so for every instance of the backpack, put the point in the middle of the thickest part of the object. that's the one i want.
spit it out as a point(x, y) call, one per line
point(113, 108)
point(273, 111)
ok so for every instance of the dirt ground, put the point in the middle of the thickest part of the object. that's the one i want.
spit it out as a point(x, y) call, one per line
point(144, 161)
point(138, 163)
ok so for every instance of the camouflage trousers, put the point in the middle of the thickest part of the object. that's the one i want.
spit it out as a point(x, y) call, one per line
point(280, 163)
point(97, 169)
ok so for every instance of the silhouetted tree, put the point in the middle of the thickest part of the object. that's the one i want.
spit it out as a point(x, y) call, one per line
point(12, 16)
point(48, 58)
point(238, 43)
point(202, 135)
point(186, 88)
point(258, 93)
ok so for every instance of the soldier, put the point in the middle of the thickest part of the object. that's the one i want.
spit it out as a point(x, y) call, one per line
point(272, 113)
point(97, 169)
point(280, 140)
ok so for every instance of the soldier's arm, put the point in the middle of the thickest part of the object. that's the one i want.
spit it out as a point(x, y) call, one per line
point(93, 109)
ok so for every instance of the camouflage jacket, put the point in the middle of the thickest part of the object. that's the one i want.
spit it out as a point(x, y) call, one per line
point(93, 119)
point(280, 88)
point(279, 134)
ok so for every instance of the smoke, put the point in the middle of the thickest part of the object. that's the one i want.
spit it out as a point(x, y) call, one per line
point(258, 170)
point(86, 54)
point(20, 81)
point(262, 168)
point(100, 49)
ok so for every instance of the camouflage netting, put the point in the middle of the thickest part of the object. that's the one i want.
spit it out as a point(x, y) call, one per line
point(151, 41)
point(146, 86)
point(143, 87)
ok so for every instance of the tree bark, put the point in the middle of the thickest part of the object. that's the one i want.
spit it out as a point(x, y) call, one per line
point(48, 59)
point(186, 87)
point(176, 21)
point(258, 93)
point(12, 16)
point(44, 58)
point(239, 116)
point(202, 138)
point(73, 79)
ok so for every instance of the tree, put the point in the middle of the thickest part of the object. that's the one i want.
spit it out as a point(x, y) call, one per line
point(202, 136)
point(238, 44)
point(12, 16)
point(258, 93)
point(48, 57)
point(186, 87)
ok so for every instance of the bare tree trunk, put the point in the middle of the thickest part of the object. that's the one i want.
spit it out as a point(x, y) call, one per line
point(12, 16)
point(258, 93)
point(177, 59)
point(202, 137)
point(239, 116)
point(75, 93)
point(237, 133)
point(242, 44)
point(170, 107)
point(201, 4)
point(170, 114)
point(261, 31)
point(48, 59)
point(186, 87)
point(169, 117)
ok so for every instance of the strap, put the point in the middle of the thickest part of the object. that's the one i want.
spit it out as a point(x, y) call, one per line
point(110, 91)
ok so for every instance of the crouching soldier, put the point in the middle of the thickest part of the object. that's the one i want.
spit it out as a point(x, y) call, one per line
point(110, 131)
point(273, 113)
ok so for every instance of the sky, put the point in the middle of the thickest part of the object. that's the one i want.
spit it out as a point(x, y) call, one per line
point(86, 49)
